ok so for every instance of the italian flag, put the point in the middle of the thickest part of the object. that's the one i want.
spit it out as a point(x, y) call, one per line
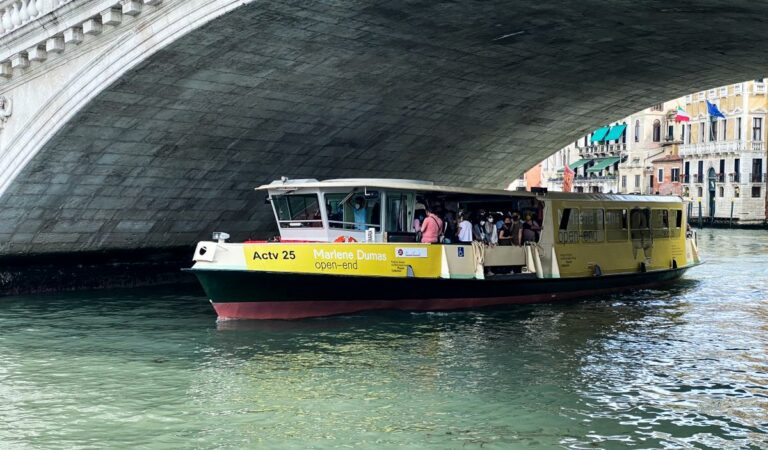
point(682, 116)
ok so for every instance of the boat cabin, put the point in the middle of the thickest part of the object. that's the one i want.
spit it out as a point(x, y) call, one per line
point(379, 210)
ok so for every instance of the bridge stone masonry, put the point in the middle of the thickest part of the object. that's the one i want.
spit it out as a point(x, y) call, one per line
point(146, 124)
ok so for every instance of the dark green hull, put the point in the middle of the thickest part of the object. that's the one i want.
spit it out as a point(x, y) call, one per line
point(240, 294)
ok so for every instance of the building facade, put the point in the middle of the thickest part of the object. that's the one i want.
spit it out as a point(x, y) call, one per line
point(718, 164)
point(724, 160)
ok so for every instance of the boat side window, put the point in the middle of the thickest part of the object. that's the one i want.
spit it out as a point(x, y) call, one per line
point(660, 223)
point(677, 224)
point(568, 231)
point(592, 224)
point(616, 225)
point(397, 212)
point(639, 223)
point(296, 211)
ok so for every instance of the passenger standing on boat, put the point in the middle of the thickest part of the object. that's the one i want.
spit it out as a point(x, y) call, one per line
point(431, 228)
point(491, 233)
point(505, 234)
point(465, 229)
point(449, 228)
point(530, 230)
point(418, 217)
point(517, 230)
point(360, 214)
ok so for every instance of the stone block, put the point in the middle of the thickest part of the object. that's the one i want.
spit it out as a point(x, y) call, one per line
point(6, 70)
point(111, 16)
point(92, 26)
point(132, 8)
point(55, 44)
point(20, 60)
point(37, 53)
point(73, 35)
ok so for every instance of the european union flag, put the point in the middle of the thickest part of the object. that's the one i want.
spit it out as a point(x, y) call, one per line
point(713, 111)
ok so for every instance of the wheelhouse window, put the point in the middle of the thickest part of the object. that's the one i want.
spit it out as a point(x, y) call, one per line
point(354, 210)
point(592, 224)
point(660, 223)
point(616, 225)
point(297, 211)
point(568, 231)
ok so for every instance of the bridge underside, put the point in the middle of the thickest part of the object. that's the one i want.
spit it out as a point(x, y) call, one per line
point(467, 93)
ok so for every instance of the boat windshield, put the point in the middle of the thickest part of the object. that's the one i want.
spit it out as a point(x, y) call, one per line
point(297, 211)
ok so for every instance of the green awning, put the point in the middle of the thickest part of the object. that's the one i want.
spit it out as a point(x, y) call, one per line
point(616, 132)
point(599, 134)
point(579, 163)
point(602, 163)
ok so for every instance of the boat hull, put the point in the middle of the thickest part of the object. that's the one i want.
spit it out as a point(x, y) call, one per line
point(242, 294)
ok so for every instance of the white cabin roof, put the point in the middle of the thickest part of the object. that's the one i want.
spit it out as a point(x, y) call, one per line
point(286, 184)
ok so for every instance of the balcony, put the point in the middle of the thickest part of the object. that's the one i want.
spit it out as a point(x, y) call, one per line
point(720, 177)
point(581, 179)
point(734, 177)
point(757, 178)
point(721, 147)
point(596, 150)
point(685, 178)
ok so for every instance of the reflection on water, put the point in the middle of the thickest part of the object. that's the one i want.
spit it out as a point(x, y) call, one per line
point(676, 368)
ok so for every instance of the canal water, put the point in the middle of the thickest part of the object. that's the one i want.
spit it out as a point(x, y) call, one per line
point(684, 367)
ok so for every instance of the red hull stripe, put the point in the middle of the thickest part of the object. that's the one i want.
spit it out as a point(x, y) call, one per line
point(304, 309)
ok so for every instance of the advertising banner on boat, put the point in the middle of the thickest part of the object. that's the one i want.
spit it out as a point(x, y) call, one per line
point(384, 260)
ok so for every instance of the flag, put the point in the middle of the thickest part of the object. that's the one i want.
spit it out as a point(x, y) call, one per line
point(568, 174)
point(713, 111)
point(682, 116)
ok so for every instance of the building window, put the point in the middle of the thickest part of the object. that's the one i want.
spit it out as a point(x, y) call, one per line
point(699, 191)
point(689, 132)
point(637, 181)
point(687, 171)
point(737, 88)
point(658, 107)
point(702, 127)
point(757, 129)
point(656, 131)
point(725, 130)
point(738, 128)
point(624, 181)
point(675, 175)
point(701, 172)
point(755, 191)
point(670, 132)
point(724, 91)
point(682, 133)
point(713, 131)
point(736, 192)
point(661, 176)
point(637, 131)
point(722, 191)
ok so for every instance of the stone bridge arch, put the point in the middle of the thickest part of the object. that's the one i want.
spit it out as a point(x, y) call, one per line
point(161, 140)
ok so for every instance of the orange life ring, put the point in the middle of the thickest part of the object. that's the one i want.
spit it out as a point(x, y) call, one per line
point(345, 239)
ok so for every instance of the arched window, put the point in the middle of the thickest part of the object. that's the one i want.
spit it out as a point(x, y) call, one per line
point(656, 131)
point(637, 130)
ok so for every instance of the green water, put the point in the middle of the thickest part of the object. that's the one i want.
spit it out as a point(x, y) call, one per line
point(679, 368)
